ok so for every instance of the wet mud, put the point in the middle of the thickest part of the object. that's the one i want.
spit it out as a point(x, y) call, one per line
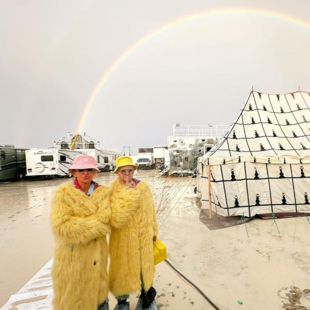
point(296, 298)
point(254, 265)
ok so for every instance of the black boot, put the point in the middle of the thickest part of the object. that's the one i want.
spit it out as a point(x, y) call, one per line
point(122, 303)
point(148, 297)
point(104, 305)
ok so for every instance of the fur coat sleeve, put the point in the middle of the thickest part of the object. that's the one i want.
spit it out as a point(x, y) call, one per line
point(124, 203)
point(147, 199)
point(77, 218)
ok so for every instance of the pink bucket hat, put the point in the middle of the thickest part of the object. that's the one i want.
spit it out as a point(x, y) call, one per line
point(84, 162)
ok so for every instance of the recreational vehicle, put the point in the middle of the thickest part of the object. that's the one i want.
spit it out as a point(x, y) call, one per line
point(84, 143)
point(12, 163)
point(49, 162)
point(105, 159)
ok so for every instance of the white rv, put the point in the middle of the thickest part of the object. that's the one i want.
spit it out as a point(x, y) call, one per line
point(111, 158)
point(105, 159)
point(84, 143)
point(49, 162)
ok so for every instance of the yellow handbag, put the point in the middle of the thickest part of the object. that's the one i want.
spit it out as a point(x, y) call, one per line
point(160, 251)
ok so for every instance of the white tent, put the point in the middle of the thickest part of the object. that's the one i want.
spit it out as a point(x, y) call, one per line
point(262, 163)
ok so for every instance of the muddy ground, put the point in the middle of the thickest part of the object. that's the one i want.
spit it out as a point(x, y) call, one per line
point(258, 265)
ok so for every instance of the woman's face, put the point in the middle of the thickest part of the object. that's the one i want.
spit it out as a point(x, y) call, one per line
point(84, 176)
point(125, 174)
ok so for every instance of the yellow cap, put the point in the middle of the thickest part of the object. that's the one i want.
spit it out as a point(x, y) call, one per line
point(124, 161)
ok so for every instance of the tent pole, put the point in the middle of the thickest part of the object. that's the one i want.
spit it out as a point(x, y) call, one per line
point(209, 190)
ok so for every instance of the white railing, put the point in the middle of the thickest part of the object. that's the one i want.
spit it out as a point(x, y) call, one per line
point(199, 130)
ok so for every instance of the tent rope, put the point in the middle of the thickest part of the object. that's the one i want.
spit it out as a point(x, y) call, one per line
point(176, 203)
point(274, 222)
point(246, 228)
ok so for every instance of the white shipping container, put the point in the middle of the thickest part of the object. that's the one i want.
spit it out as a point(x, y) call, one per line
point(159, 152)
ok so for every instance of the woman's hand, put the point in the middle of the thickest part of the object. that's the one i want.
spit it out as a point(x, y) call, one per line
point(130, 184)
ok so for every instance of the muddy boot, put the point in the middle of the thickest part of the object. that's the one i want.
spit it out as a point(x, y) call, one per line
point(147, 300)
point(104, 305)
point(122, 303)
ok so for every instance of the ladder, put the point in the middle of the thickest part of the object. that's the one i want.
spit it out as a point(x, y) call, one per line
point(73, 141)
point(161, 173)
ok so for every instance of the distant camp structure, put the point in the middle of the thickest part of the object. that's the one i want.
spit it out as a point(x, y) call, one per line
point(76, 141)
point(188, 143)
point(105, 158)
point(262, 163)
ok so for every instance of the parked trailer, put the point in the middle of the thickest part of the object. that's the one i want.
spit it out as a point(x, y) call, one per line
point(84, 143)
point(12, 163)
point(105, 159)
point(110, 166)
point(49, 162)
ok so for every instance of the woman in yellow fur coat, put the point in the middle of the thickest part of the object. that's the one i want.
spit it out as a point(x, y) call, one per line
point(79, 217)
point(132, 234)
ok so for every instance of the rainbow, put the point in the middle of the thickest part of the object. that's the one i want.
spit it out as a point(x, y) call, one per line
point(174, 23)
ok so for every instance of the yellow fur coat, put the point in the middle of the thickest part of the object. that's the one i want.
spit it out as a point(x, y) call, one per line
point(133, 224)
point(80, 226)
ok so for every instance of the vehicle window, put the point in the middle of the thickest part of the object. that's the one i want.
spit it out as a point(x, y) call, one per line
point(47, 158)
point(145, 150)
point(2, 155)
point(64, 145)
point(106, 160)
point(62, 158)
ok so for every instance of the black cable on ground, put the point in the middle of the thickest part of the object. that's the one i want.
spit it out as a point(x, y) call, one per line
point(191, 283)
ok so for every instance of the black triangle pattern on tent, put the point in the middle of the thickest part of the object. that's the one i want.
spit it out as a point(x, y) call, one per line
point(277, 137)
point(261, 199)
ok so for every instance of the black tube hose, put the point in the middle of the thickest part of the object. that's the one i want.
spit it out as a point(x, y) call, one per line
point(191, 283)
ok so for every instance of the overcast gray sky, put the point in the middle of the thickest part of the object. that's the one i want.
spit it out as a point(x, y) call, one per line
point(54, 53)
